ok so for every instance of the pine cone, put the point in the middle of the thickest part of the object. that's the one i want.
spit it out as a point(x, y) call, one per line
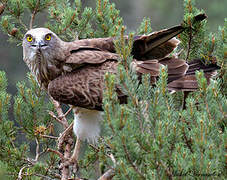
point(13, 32)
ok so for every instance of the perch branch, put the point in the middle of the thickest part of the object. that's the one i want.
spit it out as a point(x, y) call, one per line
point(68, 141)
point(65, 168)
point(76, 151)
point(60, 113)
point(61, 138)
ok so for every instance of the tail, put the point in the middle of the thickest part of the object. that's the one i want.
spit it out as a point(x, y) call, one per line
point(189, 82)
point(181, 75)
point(177, 68)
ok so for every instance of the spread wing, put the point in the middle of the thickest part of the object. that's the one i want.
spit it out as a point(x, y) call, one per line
point(156, 45)
point(147, 47)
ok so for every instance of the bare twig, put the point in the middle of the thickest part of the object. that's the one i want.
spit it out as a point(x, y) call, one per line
point(60, 113)
point(32, 162)
point(20, 175)
point(67, 112)
point(61, 138)
point(37, 150)
point(22, 23)
point(50, 137)
point(108, 175)
point(56, 152)
point(34, 13)
point(56, 118)
point(113, 160)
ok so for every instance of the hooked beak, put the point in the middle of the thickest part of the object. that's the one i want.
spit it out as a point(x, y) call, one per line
point(40, 44)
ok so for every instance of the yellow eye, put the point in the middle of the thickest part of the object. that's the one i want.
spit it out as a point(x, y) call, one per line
point(29, 38)
point(48, 37)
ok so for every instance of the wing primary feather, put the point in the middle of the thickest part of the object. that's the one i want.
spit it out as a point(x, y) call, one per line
point(144, 44)
point(162, 37)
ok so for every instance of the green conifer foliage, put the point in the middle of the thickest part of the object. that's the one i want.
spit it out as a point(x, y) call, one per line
point(150, 137)
point(11, 152)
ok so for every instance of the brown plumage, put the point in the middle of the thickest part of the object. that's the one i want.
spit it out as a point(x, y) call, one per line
point(83, 87)
point(73, 72)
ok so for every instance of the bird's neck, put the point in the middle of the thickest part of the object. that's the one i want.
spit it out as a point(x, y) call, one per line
point(43, 68)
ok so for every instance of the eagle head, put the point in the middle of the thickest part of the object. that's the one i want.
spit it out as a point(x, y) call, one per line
point(40, 42)
point(42, 50)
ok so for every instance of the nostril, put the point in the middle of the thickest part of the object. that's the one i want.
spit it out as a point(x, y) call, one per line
point(43, 45)
point(33, 45)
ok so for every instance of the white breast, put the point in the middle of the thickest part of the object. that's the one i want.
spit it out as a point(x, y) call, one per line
point(86, 124)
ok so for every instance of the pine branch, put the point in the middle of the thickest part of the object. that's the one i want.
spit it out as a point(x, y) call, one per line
point(35, 11)
point(56, 152)
point(129, 159)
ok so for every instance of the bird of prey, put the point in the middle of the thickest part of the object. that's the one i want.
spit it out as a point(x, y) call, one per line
point(73, 72)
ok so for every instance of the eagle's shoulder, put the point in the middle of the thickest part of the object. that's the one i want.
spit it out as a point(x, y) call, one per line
point(104, 44)
point(90, 51)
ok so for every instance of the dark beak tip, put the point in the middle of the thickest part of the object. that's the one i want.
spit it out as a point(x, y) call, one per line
point(42, 44)
point(39, 45)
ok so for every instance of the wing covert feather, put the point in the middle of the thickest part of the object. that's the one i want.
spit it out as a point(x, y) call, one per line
point(84, 87)
point(90, 57)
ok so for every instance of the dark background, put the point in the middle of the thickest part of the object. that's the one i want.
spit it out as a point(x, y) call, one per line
point(163, 14)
